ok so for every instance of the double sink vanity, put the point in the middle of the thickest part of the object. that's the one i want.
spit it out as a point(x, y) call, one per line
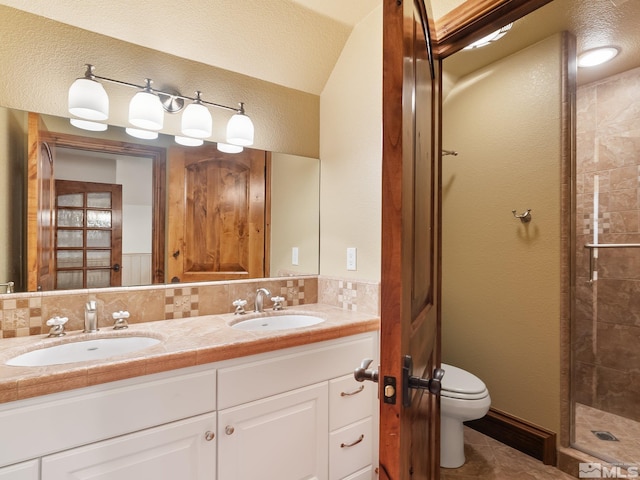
point(230, 397)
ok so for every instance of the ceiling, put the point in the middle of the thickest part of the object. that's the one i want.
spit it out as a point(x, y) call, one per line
point(296, 43)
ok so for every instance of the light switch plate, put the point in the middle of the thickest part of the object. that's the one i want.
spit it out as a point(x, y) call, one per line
point(294, 256)
point(351, 258)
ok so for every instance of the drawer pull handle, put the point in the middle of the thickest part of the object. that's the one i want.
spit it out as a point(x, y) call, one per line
point(209, 435)
point(354, 392)
point(347, 445)
point(229, 430)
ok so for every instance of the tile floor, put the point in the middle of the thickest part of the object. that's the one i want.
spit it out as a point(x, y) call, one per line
point(488, 459)
point(625, 450)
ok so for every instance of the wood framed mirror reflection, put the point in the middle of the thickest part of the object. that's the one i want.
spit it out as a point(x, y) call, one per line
point(292, 210)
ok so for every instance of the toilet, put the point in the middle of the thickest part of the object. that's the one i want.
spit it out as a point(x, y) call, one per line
point(463, 397)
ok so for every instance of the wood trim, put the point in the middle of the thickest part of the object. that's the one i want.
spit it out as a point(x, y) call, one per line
point(476, 18)
point(267, 214)
point(519, 434)
point(158, 156)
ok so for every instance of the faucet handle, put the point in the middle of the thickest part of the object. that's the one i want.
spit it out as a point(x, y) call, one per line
point(57, 326)
point(239, 304)
point(120, 319)
point(277, 302)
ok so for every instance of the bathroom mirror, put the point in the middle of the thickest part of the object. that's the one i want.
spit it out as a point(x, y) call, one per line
point(292, 182)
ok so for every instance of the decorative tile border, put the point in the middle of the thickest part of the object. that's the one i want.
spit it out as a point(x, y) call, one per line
point(181, 303)
point(23, 314)
point(20, 317)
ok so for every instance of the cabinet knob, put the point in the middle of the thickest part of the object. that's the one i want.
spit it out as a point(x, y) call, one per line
point(209, 436)
point(229, 430)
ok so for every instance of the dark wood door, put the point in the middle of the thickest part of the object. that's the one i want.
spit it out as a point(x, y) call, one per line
point(410, 277)
point(88, 240)
point(40, 207)
point(217, 214)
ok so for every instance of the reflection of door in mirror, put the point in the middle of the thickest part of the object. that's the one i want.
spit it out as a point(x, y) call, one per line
point(40, 204)
point(217, 214)
point(100, 160)
point(88, 247)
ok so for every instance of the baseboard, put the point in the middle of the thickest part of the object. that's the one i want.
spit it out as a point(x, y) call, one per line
point(519, 434)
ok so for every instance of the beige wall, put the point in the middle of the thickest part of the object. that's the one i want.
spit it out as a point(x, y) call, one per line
point(351, 154)
point(41, 58)
point(295, 194)
point(13, 149)
point(501, 278)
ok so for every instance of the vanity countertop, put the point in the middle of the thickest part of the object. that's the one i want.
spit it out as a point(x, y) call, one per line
point(184, 342)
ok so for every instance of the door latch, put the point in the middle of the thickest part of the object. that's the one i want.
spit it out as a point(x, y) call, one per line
point(434, 384)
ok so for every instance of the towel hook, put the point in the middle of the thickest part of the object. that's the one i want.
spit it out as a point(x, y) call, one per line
point(525, 217)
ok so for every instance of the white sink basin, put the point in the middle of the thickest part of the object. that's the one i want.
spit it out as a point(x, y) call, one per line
point(277, 322)
point(82, 351)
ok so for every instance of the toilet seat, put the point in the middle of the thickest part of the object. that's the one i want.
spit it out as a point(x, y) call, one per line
point(460, 384)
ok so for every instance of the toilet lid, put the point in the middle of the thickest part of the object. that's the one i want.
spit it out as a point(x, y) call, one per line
point(458, 383)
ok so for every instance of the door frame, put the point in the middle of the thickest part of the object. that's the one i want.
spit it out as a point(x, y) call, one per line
point(158, 157)
point(474, 19)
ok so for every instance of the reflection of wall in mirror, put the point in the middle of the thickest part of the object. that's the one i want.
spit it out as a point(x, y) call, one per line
point(295, 195)
point(134, 174)
point(13, 150)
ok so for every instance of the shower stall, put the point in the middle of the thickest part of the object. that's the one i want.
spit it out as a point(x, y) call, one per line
point(605, 343)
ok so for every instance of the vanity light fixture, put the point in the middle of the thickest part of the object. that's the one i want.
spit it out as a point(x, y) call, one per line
point(188, 141)
point(228, 148)
point(88, 100)
point(88, 125)
point(146, 110)
point(597, 56)
point(143, 134)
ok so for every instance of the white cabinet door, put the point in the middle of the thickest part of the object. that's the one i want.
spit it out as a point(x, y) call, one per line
point(184, 450)
point(283, 437)
point(22, 471)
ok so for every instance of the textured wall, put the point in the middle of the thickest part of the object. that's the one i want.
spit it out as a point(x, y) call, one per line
point(607, 321)
point(351, 153)
point(501, 278)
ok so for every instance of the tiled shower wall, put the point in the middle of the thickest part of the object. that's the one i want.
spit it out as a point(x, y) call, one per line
point(607, 318)
point(25, 314)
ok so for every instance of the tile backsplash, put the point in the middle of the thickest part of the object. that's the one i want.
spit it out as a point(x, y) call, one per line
point(24, 314)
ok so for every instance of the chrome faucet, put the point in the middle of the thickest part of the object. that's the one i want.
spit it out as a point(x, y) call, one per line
point(9, 286)
point(91, 317)
point(260, 293)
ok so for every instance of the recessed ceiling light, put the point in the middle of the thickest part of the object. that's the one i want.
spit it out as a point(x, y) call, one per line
point(597, 56)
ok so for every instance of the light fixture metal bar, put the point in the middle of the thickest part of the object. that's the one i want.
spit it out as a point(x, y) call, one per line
point(93, 76)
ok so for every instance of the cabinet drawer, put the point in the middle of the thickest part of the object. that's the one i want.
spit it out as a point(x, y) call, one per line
point(350, 449)
point(349, 401)
point(269, 375)
point(22, 471)
point(364, 474)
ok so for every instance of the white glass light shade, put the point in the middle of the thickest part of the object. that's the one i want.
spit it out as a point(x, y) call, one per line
point(197, 121)
point(228, 148)
point(240, 130)
point(145, 111)
point(88, 99)
point(88, 125)
point(188, 141)
point(143, 134)
point(596, 56)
